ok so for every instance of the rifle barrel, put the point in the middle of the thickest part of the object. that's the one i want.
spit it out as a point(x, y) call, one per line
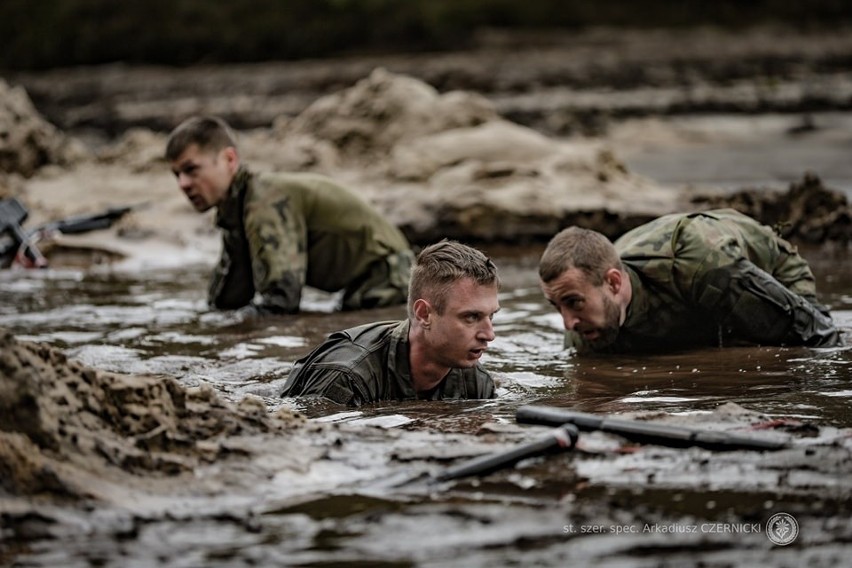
point(644, 432)
point(86, 223)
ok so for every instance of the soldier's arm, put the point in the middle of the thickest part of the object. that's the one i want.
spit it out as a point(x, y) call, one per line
point(334, 384)
point(278, 240)
point(231, 284)
point(750, 304)
point(793, 271)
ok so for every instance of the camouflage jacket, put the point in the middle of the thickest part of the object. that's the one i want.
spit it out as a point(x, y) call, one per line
point(370, 363)
point(282, 231)
point(665, 260)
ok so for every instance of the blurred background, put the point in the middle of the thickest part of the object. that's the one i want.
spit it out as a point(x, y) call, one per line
point(58, 33)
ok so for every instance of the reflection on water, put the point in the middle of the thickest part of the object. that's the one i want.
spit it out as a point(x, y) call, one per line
point(159, 324)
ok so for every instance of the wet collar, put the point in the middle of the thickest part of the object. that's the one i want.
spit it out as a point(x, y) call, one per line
point(229, 214)
point(399, 365)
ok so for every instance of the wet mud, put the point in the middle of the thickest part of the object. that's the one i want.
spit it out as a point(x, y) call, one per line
point(139, 428)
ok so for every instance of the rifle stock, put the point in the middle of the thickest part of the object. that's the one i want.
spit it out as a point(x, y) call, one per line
point(12, 215)
point(644, 432)
point(560, 439)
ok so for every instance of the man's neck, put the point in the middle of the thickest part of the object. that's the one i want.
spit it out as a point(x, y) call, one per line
point(425, 373)
point(626, 293)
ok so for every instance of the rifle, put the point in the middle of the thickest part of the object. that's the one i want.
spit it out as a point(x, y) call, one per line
point(12, 216)
point(86, 223)
point(644, 432)
point(22, 247)
point(568, 423)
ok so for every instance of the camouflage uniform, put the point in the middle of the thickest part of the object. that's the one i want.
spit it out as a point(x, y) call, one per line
point(285, 231)
point(715, 278)
point(369, 363)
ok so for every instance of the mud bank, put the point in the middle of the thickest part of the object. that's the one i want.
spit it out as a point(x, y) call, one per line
point(73, 432)
point(438, 165)
point(505, 144)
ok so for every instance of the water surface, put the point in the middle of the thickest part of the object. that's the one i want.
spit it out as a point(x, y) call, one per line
point(158, 323)
point(566, 509)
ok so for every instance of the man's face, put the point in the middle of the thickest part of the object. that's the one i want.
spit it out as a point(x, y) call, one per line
point(591, 311)
point(204, 176)
point(459, 336)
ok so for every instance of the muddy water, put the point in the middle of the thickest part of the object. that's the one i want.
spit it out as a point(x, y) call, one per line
point(570, 507)
point(159, 324)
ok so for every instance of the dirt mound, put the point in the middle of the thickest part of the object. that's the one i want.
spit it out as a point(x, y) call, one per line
point(28, 141)
point(808, 212)
point(383, 110)
point(65, 429)
point(446, 165)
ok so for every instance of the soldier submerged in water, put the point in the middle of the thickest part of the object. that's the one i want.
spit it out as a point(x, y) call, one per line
point(434, 354)
point(283, 231)
point(711, 278)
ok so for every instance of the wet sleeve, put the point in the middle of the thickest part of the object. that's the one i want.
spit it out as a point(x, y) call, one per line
point(278, 240)
point(332, 384)
point(231, 284)
point(749, 303)
point(793, 271)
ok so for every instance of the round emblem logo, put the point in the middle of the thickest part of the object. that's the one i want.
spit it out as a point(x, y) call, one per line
point(782, 528)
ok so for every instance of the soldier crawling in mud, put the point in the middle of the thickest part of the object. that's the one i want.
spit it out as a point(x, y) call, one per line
point(434, 354)
point(711, 278)
point(283, 231)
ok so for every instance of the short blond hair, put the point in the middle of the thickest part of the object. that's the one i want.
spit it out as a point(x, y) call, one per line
point(440, 265)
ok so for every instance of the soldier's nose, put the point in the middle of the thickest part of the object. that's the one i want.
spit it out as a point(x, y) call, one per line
point(183, 181)
point(487, 333)
point(569, 321)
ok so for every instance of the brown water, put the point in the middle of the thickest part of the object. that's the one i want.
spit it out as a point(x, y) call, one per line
point(159, 324)
point(563, 509)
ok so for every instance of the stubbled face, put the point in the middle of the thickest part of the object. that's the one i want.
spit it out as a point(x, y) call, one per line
point(459, 336)
point(204, 176)
point(590, 311)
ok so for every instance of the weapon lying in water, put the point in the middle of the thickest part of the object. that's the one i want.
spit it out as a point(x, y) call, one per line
point(562, 438)
point(644, 432)
point(568, 423)
point(20, 247)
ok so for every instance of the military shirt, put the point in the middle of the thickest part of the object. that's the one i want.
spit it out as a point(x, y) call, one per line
point(665, 260)
point(282, 231)
point(369, 363)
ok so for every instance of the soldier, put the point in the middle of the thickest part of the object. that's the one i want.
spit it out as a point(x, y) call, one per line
point(683, 280)
point(283, 231)
point(434, 354)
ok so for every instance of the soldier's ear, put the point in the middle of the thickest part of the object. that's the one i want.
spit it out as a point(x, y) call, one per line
point(232, 158)
point(423, 312)
point(614, 279)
